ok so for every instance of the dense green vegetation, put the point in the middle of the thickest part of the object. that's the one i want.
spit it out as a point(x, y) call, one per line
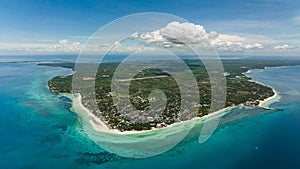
point(240, 90)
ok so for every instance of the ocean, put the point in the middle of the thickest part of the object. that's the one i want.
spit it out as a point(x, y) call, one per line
point(37, 129)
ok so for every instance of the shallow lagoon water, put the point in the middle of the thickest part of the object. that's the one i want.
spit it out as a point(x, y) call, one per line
point(39, 131)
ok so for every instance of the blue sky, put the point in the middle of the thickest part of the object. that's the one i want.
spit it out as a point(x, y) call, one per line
point(28, 24)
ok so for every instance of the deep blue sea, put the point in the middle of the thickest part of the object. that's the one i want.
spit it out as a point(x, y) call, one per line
point(37, 129)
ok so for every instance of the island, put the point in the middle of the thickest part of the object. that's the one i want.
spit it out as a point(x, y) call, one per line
point(241, 91)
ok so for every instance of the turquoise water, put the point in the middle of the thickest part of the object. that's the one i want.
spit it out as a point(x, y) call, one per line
point(37, 130)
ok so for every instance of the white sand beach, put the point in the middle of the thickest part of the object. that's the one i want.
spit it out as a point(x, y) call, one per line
point(100, 126)
point(266, 102)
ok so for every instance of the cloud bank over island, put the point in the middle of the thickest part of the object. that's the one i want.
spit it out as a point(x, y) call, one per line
point(190, 33)
point(186, 33)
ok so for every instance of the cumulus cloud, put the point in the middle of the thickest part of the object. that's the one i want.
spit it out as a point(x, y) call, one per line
point(117, 44)
point(123, 47)
point(76, 43)
point(185, 33)
point(284, 47)
point(231, 37)
point(63, 41)
point(62, 46)
point(70, 47)
point(134, 35)
point(176, 34)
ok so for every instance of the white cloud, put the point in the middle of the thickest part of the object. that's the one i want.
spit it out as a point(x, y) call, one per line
point(231, 37)
point(134, 35)
point(152, 37)
point(68, 47)
point(63, 41)
point(117, 44)
point(123, 47)
point(254, 46)
point(62, 46)
point(176, 33)
point(284, 47)
point(76, 43)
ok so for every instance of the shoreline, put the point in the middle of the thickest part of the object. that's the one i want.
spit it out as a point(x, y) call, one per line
point(100, 126)
point(268, 101)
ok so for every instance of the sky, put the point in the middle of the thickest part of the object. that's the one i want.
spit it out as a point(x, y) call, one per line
point(242, 27)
